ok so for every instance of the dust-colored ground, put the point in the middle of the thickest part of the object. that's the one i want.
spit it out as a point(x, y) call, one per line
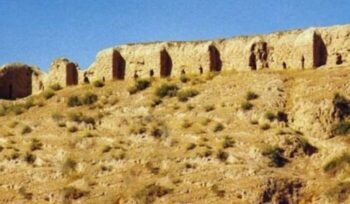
point(280, 144)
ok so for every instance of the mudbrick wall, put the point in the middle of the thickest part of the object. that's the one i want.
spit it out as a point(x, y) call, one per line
point(295, 49)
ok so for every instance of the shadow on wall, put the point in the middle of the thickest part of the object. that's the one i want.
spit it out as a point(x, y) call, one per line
point(118, 64)
point(166, 64)
point(319, 51)
point(71, 74)
point(215, 63)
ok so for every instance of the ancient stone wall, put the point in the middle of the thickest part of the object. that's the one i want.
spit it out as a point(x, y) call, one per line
point(63, 72)
point(295, 49)
point(15, 81)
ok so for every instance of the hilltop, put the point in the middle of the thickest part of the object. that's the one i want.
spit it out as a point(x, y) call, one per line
point(229, 137)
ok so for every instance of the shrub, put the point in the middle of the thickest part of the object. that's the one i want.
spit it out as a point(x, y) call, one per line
point(191, 146)
point(151, 192)
point(342, 128)
point(342, 105)
point(209, 108)
point(275, 154)
point(222, 155)
point(308, 149)
point(48, 94)
point(184, 94)
point(228, 142)
point(69, 166)
point(56, 87)
point(156, 101)
point(57, 117)
point(72, 193)
point(36, 145)
point(72, 129)
point(166, 90)
point(2, 111)
point(26, 130)
point(30, 158)
point(251, 96)
point(184, 78)
point(340, 192)
point(265, 126)
point(73, 101)
point(140, 85)
point(29, 103)
point(246, 105)
point(282, 116)
point(89, 98)
point(218, 127)
point(16, 109)
point(269, 116)
point(98, 83)
point(336, 163)
point(186, 124)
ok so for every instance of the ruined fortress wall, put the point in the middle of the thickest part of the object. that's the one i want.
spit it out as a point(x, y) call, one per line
point(296, 49)
point(62, 72)
point(15, 81)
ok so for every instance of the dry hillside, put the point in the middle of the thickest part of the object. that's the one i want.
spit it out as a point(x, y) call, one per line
point(247, 137)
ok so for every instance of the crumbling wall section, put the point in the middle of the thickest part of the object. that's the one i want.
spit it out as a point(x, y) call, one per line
point(63, 72)
point(15, 81)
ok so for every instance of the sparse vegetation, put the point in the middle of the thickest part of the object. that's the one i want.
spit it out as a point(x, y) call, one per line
point(72, 193)
point(26, 130)
point(218, 127)
point(275, 154)
point(151, 192)
point(98, 84)
point(166, 90)
point(337, 163)
point(140, 85)
point(341, 128)
point(56, 87)
point(48, 94)
point(269, 116)
point(228, 142)
point(73, 101)
point(222, 155)
point(89, 98)
point(209, 108)
point(246, 105)
point(265, 126)
point(251, 96)
point(184, 94)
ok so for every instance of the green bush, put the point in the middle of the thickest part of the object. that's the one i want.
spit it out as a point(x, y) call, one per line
point(48, 94)
point(98, 83)
point(251, 96)
point(166, 90)
point(56, 87)
point(270, 116)
point(185, 94)
point(140, 85)
point(218, 127)
point(89, 98)
point(246, 105)
point(74, 101)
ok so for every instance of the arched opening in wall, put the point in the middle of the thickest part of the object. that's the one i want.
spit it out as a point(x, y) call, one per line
point(200, 70)
point(252, 61)
point(118, 66)
point(71, 74)
point(10, 92)
point(166, 64)
point(284, 65)
point(338, 59)
point(319, 51)
point(215, 63)
point(302, 62)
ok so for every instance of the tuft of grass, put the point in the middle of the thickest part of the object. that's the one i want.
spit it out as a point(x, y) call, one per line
point(17, 109)
point(246, 105)
point(72, 129)
point(222, 155)
point(265, 126)
point(269, 116)
point(140, 85)
point(275, 154)
point(218, 127)
point(98, 84)
point(341, 128)
point(167, 90)
point(48, 94)
point(251, 96)
point(2, 111)
point(30, 158)
point(29, 103)
point(36, 145)
point(73, 193)
point(184, 94)
point(89, 98)
point(228, 142)
point(340, 192)
point(186, 124)
point(151, 192)
point(342, 104)
point(209, 108)
point(282, 116)
point(337, 163)
point(26, 130)
point(308, 149)
point(56, 87)
point(73, 101)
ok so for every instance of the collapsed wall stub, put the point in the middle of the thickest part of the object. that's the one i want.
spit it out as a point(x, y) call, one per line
point(63, 72)
point(15, 81)
point(166, 64)
point(118, 65)
point(258, 57)
point(215, 63)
